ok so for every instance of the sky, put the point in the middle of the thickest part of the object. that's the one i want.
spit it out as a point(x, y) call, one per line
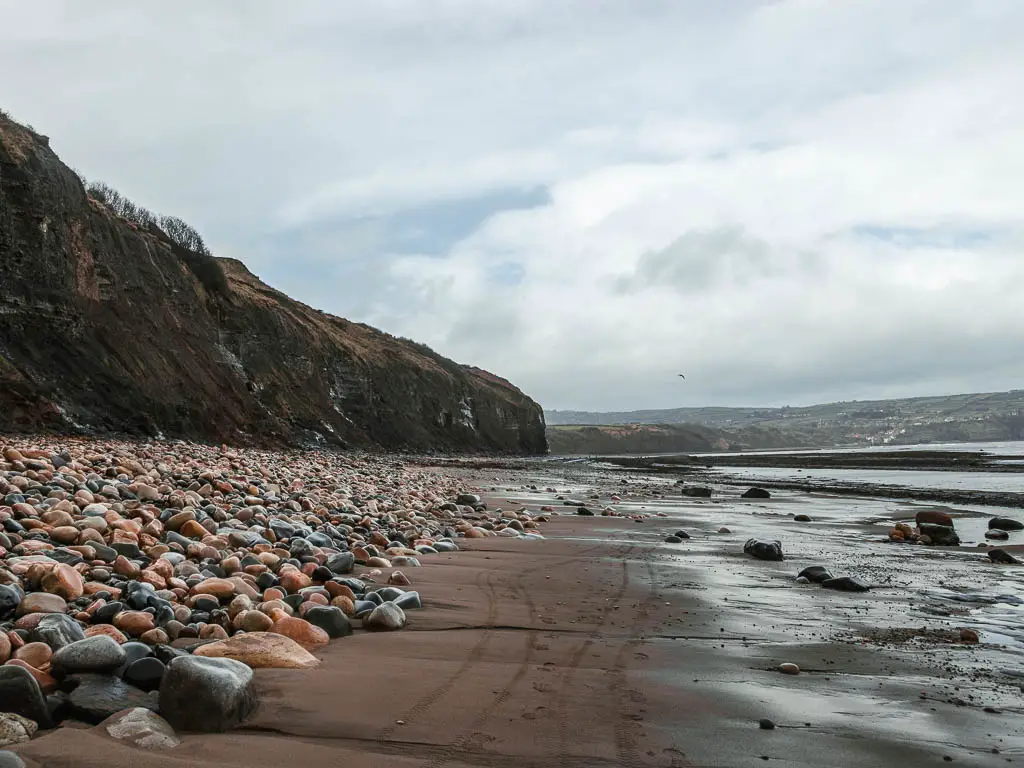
point(789, 202)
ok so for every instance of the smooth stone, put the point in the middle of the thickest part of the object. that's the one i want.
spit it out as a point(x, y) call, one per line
point(408, 600)
point(143, 728)
point(41, 602)
point(145, 673)
point(789, 668)
point(996, 533)
point(756, 493)
point(1005, 524)
point(764, 550)
point(801, 518)
point(261, 650)
point(10, 760)
point(363, 608)
point(331, 620)
point(673, 540)
point(301, 631)
point(385, 618)
point(93, 654)
point(205, 694)
point(21, 694)
point(15, 729)
point(467, 499)
point(815, 573)
point(97, 697)
point(933, 517)
point(846, 584)
point(341, 563)
point(1002, 556)
point(584, 511)
point(940, 535)
point(386, 593)
point(765, 724)
point(697, 492)
point(10, 599)
point(681, 534)
point(57, 630)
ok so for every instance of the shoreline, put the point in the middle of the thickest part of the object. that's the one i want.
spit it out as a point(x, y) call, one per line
point(602, 645)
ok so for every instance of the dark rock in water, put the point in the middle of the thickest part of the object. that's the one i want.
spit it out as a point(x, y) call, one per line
point(21, 694)
point(585, 511)
point(1006, 524)
point(816, 573)
point(93, 654)
point(697, 492)
point(941, 535)
point(673, 540)
point(97, 697)
point(467, 499)
point(764, 550)
point(1002, 556)
point(57, 630)
point(996, 533)
point(330, 619)
point(846, 584)
point(801, 518)
point(681, 534)
point(765, 724)
point(206, 695)
point(756, 493)
point(145, 674)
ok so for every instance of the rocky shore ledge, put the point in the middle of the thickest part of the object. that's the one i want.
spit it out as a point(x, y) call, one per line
point(140, 583)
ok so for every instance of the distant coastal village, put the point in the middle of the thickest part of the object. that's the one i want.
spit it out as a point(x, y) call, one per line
point(977, 417)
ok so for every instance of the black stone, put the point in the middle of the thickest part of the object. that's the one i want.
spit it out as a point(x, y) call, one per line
point(1006, 524)
point(408, 600)
point(294, 601)
point(816, 573)
point(330, 619)
point(105, 613)
point(764, 550)
point(133, 651)
point(585, 512)
point(208, 695)
point(10, 599)
point(364, 608)
point(846, 584)
point(940, 535)
point(765, 724)
point(756, 493)
point(1002, 556)
point(21, 694)
point(97, 697)
point(801, 518)
point(673, 540)
point(995, 533)
point(682, 534)
point(57, 630)
point(145, 674)
point(374, 597)
point(341, 563)
point(167, 653)
point(697, 492)
point(206, 603)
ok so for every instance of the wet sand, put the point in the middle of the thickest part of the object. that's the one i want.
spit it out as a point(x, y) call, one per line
point(604, 646)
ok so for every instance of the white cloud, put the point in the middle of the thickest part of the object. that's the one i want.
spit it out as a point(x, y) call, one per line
point(789, 201)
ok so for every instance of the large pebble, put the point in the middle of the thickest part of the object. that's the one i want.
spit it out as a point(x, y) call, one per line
point(15, 729)
point(261, 650)
point(21, 694)
point(385, 618)
point(207, 695)
point(142, 728)
point(93, 654)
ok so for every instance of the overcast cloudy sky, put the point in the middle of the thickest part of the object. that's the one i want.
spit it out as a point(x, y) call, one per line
point(789, 202)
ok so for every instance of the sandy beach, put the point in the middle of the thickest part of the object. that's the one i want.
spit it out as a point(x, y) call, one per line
point(604, 645)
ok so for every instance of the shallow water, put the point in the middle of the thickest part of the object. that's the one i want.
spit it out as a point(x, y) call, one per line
point(1007, 482)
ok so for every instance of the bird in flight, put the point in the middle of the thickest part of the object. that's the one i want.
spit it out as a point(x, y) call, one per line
point(681, 376)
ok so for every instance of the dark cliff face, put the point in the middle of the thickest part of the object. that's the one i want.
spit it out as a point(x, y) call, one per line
point(106, 326)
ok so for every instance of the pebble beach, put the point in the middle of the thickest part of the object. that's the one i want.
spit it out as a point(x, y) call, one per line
point(177, 604)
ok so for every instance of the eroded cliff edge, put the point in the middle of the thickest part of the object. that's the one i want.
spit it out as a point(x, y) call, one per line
point(109, 326)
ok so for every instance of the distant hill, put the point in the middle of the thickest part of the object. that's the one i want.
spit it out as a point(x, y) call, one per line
point(988, 416)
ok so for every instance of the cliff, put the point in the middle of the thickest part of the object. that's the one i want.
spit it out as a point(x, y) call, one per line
point(109, 326)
